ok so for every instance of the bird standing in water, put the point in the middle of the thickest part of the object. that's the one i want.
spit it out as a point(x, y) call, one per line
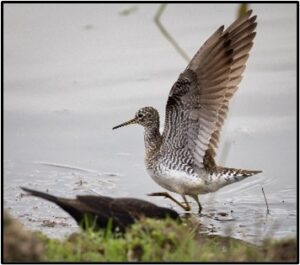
point(181, 160)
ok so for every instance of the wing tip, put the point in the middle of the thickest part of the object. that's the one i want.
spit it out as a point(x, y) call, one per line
point(221, 29)
point(249, 12)
point(252, 18)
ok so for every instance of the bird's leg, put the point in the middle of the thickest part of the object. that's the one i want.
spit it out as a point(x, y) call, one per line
point(187, 206)
point(195, 197)
point(167, 195)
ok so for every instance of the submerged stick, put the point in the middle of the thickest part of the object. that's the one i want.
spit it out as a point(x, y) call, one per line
point(167, 34)
point(225, 151)
point(243, 8)
point(268, 211)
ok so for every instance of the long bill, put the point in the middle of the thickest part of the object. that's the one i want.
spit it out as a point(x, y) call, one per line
point(132, 121)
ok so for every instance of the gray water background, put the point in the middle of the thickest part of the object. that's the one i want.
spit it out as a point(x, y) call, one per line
point(72, 72)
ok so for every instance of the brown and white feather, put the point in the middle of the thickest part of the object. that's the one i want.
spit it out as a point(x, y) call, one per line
point(198, 102)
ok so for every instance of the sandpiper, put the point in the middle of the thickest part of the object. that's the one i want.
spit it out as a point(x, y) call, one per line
point(122, 212)
point(181, 160)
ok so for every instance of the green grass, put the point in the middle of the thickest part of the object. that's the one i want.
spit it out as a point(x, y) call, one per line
point(152, 240)
point(148, 241)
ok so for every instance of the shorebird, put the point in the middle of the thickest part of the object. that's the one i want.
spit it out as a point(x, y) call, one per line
point(181, 160)
point(99, 210)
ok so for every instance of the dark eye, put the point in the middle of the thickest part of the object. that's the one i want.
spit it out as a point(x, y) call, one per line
point(140, 115)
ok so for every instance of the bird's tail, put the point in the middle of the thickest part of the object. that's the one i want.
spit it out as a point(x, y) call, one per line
point(231, 175)
point(40, 194)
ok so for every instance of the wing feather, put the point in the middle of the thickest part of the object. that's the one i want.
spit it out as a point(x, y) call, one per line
point(198, 101)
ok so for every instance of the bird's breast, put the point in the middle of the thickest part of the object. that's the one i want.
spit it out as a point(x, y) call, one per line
point(176, 180)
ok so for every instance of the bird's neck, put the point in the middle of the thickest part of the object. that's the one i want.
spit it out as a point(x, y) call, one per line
point(153, 141)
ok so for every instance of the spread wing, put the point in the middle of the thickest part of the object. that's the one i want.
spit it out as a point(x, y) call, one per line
point(198, 101)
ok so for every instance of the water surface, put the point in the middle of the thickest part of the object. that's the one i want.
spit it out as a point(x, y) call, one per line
point(72, 72)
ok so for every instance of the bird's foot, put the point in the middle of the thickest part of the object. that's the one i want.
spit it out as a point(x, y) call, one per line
point(200, 211)
point(186, 204)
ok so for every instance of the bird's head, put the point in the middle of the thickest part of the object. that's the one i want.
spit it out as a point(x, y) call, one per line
point(147, 117)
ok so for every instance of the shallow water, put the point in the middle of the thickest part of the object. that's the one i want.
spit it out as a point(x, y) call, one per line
point(72, 72)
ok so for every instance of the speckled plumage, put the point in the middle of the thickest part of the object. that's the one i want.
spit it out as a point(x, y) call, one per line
point(182, 159)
